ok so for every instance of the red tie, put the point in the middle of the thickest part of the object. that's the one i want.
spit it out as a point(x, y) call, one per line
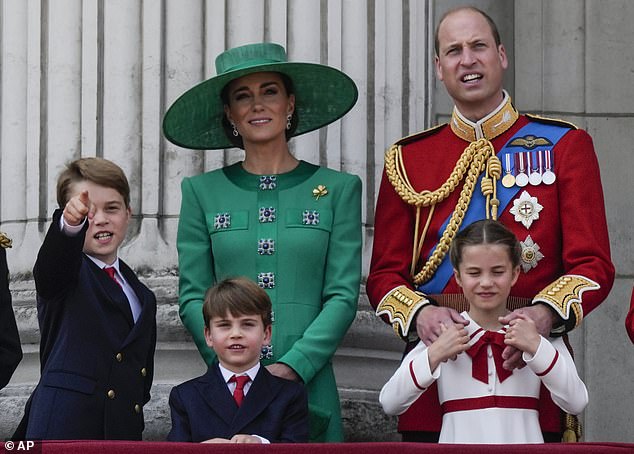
point(478, 353)
point(238, 393)
point(110, 271)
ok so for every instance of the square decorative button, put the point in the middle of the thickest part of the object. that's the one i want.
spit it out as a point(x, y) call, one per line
point(266, 280)
point(266, 246)
point(268, 183)
point(310, 217)
point(222, 221)
point(267, 214)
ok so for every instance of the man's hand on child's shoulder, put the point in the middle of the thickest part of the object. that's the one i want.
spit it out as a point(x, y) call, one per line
point(77, 209)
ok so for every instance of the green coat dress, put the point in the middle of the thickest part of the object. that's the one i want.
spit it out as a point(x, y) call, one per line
point(298, 235)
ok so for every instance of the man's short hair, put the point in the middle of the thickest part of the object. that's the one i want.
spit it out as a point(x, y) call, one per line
point(494, 27)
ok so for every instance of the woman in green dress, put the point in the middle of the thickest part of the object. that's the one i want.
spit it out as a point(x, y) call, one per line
point(292, 227)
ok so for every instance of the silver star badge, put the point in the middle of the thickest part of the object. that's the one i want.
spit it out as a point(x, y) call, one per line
point(526, 209)
point(530, 254)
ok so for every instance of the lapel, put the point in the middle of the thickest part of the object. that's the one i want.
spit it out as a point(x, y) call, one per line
point(263, 390)
point(215, 393)
point(112, 291)
point(134, 282)
point(145, 298)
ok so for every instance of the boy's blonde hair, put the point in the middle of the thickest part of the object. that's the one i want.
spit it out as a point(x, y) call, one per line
point(97, 170)
point(237, 296)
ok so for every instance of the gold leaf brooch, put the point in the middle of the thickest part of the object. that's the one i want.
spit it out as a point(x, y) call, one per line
point(320, 191)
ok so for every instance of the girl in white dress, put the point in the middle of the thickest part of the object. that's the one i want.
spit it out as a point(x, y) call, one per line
point(482, 402)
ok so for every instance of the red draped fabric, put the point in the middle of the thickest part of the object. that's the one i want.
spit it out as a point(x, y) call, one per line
point(124, 447)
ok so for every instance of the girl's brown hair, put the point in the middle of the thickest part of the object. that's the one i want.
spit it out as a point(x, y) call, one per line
point(485, 231)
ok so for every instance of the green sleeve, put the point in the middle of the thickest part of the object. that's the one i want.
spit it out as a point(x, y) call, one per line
point(195, 267)
point(340, 291)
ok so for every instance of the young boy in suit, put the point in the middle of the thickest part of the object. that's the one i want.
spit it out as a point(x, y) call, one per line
point(263, 408)
point(97, 320)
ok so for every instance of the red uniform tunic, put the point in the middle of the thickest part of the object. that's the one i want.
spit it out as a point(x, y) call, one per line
point(570, 232)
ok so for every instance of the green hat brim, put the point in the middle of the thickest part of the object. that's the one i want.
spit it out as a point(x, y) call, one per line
point(322, 95)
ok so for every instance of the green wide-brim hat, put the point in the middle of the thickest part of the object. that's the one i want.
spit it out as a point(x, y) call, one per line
point(322, 95)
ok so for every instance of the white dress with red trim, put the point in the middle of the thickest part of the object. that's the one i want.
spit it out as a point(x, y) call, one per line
point(481, 402)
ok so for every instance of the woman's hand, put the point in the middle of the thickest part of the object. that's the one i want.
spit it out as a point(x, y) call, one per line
point(283, 371)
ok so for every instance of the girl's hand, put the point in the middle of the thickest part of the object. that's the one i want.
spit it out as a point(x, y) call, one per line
point(544, 318)
point(452, 341)
point(522, 334)
point(430, 320)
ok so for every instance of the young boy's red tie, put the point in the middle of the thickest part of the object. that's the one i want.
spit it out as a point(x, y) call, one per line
point(238, 393)
point(110, 271)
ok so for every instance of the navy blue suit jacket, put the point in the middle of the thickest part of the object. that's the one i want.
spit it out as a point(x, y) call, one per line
point(10, 348)
point(96, 363)
point(273, 408)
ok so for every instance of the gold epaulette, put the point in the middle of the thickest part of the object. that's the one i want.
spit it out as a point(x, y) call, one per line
point(5, 241)
point(400, 306)
point(551, 121)
point(564, 296)
point(419, 135)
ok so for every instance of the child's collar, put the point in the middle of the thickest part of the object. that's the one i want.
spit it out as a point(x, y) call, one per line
point(227, 374)
point(102, 265)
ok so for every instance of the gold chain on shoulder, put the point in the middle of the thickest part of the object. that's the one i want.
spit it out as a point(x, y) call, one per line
point(5, 241)
point(395, 170)
point(476, 158)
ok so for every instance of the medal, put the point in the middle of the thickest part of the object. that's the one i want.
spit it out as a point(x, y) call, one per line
point(536, 176)
point(531, 254)
point(526, 209)
point(522, 178)
point(549, 176)
point(508, 181)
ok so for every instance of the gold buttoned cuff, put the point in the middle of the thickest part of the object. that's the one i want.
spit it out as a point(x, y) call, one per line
point(565, 296)
point(401, 306)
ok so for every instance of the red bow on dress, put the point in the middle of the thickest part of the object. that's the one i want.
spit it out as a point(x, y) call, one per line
point(478, 353)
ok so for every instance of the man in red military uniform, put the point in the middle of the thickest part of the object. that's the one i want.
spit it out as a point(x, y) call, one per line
point(539, 177)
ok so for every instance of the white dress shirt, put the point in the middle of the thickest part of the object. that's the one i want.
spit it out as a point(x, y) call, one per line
point(133, 300)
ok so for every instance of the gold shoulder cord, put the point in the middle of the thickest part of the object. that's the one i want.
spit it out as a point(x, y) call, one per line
point(479, 156)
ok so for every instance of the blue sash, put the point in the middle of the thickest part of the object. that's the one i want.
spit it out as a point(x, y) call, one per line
point(476, 209)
